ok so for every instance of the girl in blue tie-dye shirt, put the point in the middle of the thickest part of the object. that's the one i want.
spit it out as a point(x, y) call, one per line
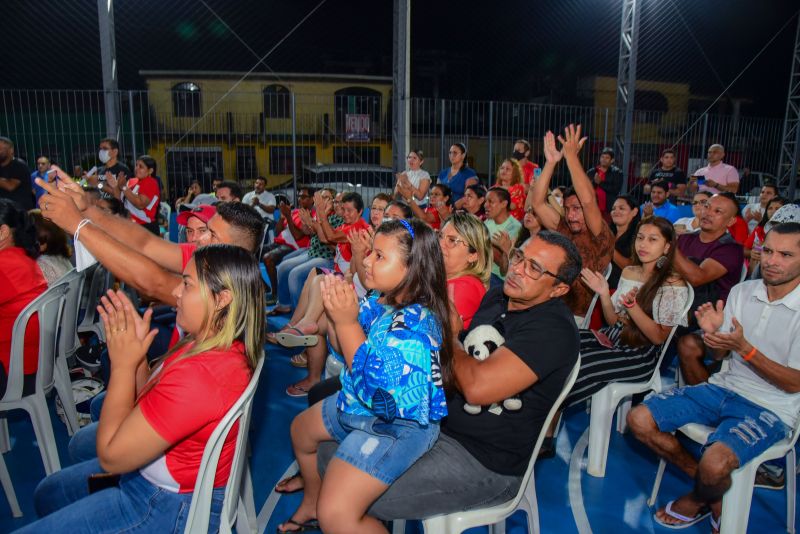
point(397, 350)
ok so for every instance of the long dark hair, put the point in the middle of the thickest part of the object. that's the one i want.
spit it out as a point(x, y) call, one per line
point(51, 236)
point(425, 282)
point(446, 192)
point(765, 218)
point(23, 231)
point(631, 334)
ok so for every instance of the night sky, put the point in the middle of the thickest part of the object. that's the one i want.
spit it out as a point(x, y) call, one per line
point(515, 50)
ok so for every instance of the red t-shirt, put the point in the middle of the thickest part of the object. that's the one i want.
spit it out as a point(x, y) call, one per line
point(343, 252)
point(437, 220)
point(738, 230)
point(149, 188)
point(286, 237)
point(751, 239)
point(185, 406)
point(528, 170)
point(468, 292)
point(21, 281)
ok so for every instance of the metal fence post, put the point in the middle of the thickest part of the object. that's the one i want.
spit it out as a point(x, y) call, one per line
point(491, 145)
point(705, 136)
point(442, 148)
point(294, 147)
point(605, 130)
point(133, 126)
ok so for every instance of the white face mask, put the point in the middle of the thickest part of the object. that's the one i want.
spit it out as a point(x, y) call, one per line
point(104, 156)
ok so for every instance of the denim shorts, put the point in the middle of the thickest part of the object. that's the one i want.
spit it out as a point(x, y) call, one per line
point(382, 450)
point(743, 426)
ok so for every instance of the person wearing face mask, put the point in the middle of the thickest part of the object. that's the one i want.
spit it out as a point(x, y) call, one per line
point(108, 154)
point(522, 153)
point(14, 176)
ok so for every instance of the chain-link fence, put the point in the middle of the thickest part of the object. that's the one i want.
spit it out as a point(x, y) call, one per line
point(196, 135)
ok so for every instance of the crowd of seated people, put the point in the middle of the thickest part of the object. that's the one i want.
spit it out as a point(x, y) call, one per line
point(388, 308)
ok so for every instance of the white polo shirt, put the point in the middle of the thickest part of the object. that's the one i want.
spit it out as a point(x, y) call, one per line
point(774, 329)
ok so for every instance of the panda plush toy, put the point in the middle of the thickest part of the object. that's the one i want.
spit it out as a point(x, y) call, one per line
point(480, 343)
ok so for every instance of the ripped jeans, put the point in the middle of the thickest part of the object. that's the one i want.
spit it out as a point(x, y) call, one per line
point(743, 426)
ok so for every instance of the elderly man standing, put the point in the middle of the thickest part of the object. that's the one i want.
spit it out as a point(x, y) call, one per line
point(717, 176)
point(755, 403)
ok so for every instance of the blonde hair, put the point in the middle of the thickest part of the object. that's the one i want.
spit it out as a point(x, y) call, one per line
point(475, 234)
point(516, 171)
point(234, 269)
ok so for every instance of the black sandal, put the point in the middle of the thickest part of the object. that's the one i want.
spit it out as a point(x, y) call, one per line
point(286, 481)
point(312, 525)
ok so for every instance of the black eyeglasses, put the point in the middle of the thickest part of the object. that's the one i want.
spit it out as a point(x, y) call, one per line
point(532, 269)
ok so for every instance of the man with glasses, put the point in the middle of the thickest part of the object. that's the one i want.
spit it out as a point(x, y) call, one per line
point(292, 235)
point(479, 460)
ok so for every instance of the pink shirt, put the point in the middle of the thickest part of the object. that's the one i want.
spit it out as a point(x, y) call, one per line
point(721, 173)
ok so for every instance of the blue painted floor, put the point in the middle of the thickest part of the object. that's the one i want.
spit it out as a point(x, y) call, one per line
point(616, 503)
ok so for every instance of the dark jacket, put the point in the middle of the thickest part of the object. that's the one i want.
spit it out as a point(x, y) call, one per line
point(612, 185)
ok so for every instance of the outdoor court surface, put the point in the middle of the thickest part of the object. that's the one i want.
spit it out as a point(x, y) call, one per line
point(569, 499)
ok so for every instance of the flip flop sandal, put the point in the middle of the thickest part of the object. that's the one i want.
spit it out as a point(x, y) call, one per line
point(312, 525)
point(297, 391)
point(293, 337)
point(299, 360)
point(686, 521)
point(270, 336)
point(278, 311)
point(286, 481)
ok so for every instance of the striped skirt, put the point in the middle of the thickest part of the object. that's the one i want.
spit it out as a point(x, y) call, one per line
point(601, 365)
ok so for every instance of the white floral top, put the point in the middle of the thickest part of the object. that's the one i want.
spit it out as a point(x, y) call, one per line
point(668, 304)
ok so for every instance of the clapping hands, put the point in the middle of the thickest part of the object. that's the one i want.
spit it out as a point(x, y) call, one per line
point(339, 299)
point(595, 281)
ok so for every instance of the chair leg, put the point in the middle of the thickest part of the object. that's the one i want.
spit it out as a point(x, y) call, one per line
point(622, 415)
point(737, 500)
point(791, 489)
point(399, 526)
point(662, 465)
point(8, 487)
point(63, 387)
point(5, 439)
point(247, 500)
point(498, 528)
point(600, 432)
point(36, 406)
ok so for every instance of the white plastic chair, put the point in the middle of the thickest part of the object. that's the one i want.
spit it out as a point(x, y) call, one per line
point(8, 488)
point(48, 307)
point(525, 499)
point(68, 343)
point(101, 281)
point(605, 402)
point(737, 500)
point(587, 320)
point(233, 503)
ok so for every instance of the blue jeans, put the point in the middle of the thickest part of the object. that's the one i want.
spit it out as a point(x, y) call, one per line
point(63, 502)
point(292, 274)
point(744, 427)
point(83, 444)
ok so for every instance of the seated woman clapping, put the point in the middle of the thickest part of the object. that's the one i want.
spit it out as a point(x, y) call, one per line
point(155, 422)
point(648, 302)
point(398, 358)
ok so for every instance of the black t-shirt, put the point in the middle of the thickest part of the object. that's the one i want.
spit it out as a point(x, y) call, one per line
point(546, 339)
point(115, 170)
point(23, 194)
point(674, 176)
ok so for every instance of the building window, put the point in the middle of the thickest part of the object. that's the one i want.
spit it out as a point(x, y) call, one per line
point(186, 100)
point(246, 165)
point(358, 101)
point(280, 158)
point(277, 102)
point(357, 154)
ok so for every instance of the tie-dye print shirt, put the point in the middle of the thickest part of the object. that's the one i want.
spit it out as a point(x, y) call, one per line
point(395, 372)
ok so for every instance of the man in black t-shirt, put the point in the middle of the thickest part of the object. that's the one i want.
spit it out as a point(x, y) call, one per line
point(669, 173)
point(108, 153)
point(479, 460)
point(15, 176)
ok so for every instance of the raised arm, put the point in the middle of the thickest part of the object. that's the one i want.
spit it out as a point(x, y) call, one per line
point(537, 194)
point(571, 143)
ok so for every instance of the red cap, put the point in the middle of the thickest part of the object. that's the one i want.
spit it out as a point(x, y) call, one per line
point(204, 213)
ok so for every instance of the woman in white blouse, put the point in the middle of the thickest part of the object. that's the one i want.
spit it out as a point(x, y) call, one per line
point(415, 175)
point(648, 302)
point(690, 225)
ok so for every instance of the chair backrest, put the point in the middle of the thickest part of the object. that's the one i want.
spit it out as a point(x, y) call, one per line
point(68, 336)
point(587, 320)
point(528, 479)
point(665, 345)
point(47, 307)
point(98, 286)
point(743, 276)
point(199, 512)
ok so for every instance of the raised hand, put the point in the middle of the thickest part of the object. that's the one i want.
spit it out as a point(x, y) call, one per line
point(128, 334)
point(285, 210)
point(572, 142)
point(502, 241)
point(339, 299)
point(710, 317)
point(629, 299)
point(67, 184)
point(405, 188)
point(595, 281)
point(360, 242)
point(551, 153)
point(59, 207)
point(111, 180)
point(648, 209)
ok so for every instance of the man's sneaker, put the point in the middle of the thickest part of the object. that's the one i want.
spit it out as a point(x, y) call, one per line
point(770, 477)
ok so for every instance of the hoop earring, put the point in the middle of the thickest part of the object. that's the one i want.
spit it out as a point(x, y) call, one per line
point(660, 262)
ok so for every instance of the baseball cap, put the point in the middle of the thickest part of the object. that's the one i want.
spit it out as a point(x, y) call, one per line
point(204, 213)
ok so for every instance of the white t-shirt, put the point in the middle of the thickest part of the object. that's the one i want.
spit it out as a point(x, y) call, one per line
point(774, 329)
point(687, 223)
point(752, 207)
point(265, 199)
point(417, 177)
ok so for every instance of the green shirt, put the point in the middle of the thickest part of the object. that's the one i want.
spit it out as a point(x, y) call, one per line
point(318, 249)
point(512, 226)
